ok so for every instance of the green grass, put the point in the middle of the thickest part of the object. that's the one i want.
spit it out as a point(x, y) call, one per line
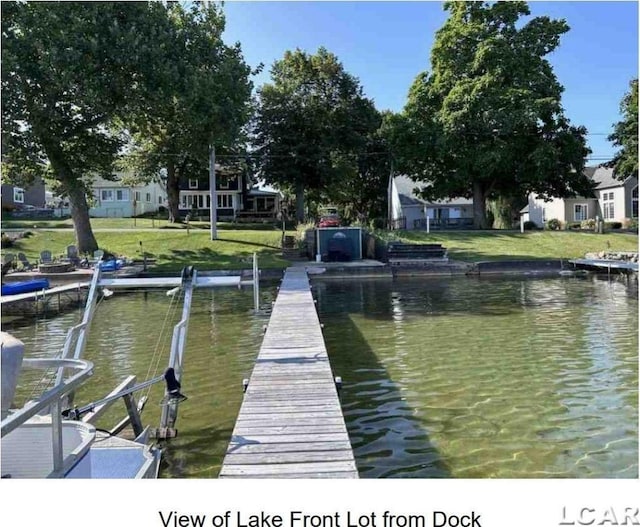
point(132, 223)
point(509, 245)
point(175, 248)
point(172, 250)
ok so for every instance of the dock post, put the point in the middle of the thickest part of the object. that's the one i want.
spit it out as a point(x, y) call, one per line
point(256, 284)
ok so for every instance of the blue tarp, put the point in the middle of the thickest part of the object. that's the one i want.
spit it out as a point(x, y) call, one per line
point(29, 286)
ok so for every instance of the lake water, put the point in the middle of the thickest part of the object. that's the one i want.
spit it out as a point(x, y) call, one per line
point(442, 377)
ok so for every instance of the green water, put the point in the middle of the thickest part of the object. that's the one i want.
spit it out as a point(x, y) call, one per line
point(473, 378)
point(442, 378)
point(131, 334)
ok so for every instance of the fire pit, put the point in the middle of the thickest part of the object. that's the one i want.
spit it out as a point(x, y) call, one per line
point(56, 267)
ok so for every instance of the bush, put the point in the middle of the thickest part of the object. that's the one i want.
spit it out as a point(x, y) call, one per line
point(530, 225)
point(588, 225)
point(630, 224)
point(613, 225)
point(6, 241)
point(553, 225)
point(574, 226)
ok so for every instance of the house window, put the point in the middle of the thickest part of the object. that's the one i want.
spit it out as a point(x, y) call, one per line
point(159, 200)
point(193, 183)
point(18, 195)
point(122, 195)
point(580, 212)
point(136, 195)
point(223, 184)
point(634, 203)
point(148, 196)
point(225, 201)
point(607, 206)
point(106, 195)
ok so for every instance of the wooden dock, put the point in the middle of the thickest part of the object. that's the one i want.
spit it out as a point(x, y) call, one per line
point(40, 301)
point(609, 265)
point(290, 423)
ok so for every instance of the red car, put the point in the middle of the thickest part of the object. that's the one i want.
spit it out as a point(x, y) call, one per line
point(329, 221)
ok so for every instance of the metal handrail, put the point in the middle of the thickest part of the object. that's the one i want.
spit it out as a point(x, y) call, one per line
point(12, 421)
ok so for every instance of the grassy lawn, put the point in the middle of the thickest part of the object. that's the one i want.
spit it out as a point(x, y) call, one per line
point(175, 248)
point(130, 223)
point(509, 245)
point(172, 250)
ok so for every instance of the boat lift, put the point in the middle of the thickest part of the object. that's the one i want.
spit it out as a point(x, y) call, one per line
point(75, 344)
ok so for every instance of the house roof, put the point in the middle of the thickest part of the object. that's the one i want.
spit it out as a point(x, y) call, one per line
point(262, 189)
point(406, 187)
point(604, 177)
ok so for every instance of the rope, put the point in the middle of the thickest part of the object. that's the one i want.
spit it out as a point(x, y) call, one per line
point(154, 363)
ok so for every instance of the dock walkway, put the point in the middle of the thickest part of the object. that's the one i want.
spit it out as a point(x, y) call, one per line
point(290, 423)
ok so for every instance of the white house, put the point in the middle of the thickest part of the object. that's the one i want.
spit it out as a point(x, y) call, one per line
point(407, 210)
point(614, 200)
point(113, 199)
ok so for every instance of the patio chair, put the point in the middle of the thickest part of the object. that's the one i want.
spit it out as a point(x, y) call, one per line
point(8, 262)
point(45, 257)
point(26, 264)
point(97, 257)
point(72, 255)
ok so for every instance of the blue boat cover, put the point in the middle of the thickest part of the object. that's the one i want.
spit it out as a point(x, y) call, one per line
point(111, 265)
point(29, 286)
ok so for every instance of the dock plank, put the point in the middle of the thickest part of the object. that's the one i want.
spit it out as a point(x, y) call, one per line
point(290, 423)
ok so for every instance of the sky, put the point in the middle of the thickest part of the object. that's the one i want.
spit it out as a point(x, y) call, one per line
point(386, 44)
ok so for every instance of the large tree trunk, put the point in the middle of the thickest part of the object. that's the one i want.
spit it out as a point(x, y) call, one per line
point(85, 240)
point(300, 202)
point(479, 206)
point(173, 193)
point(505, 211)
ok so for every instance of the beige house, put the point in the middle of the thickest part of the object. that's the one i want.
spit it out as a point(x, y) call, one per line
point(614, 201)
point(113, 199)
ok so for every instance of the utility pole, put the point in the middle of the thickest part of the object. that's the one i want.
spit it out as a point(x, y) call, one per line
point(212, 186)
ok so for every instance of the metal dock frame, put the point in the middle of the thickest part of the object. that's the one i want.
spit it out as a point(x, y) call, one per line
point(290, 423)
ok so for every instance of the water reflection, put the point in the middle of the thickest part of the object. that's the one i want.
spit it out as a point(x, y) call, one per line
point(131, 335)
point(487, 378)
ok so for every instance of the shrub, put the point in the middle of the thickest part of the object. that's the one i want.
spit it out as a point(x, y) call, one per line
point(613, 225)
point(630, 224)
point(6, 241)
point(588, 224)
point(530, 225)
point(553, 224)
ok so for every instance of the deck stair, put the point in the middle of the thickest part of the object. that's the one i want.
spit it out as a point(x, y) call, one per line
point(290, 423)
point(408, 253)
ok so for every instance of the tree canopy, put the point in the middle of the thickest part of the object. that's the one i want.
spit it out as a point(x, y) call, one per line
point(487, 122)
point(310, 121)
point(198, 95)
point(69, 69)
point(84, 82)
point(625, 135)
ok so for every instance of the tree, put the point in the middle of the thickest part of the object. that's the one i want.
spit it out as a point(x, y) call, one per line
point(625, 135)
point(199, 95)
point(487, 122)
point(309, 118)
point(69, 69)
point(361, 191)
